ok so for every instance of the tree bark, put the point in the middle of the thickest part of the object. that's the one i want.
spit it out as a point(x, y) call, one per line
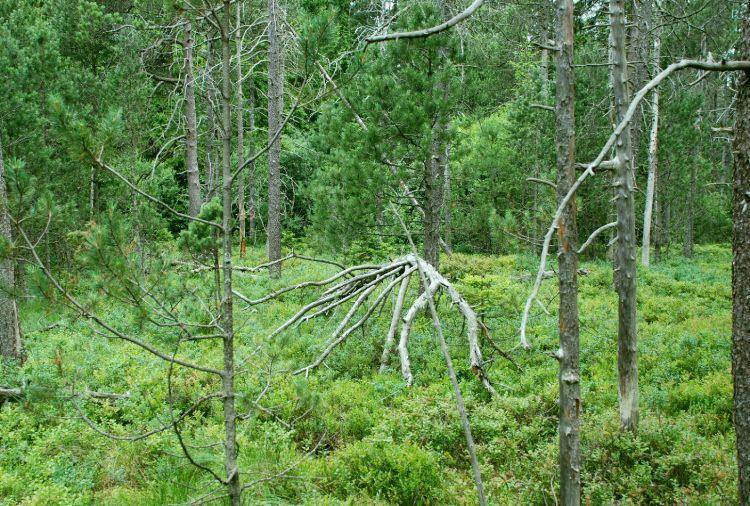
point(251, 176)
point(242, 214)
point(275, 107)
point(191, 131)
point(211, 158)
point(624, 251)
point(227, 320)
point(741, 270)
point(653, 152)
point(568, 355)
point(11, 339)
point(434, 192)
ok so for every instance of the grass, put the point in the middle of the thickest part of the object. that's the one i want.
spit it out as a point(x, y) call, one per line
point(382, 443)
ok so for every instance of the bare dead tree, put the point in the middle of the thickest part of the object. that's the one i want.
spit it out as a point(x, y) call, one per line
point(624, 255)
point(242, 213)
point(368, 291)
point(275, 107)
point(568, 354)
point(653, 149)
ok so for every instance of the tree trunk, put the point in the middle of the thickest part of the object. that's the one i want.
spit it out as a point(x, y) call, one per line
point(191, 133)
point(741, 270)
point(569, 378)
point(251, 176)
point(275, 107)
point(434, 193)
point(624, 251)
point(11, 340)
point(242, 215)
point(641, 27)
point(653, 153)
point(227, 321)
point(447, 205)
point(211, 160)
point(687, 244)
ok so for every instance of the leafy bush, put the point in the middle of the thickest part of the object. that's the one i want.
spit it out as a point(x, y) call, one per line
point(399, 473)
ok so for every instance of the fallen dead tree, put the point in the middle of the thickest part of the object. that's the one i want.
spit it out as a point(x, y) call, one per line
point(369, 291)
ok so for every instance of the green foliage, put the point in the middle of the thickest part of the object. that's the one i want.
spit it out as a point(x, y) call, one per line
point(202, 238)
point(397, 473)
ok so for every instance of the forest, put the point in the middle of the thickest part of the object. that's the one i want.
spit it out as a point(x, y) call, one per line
point(374, 252)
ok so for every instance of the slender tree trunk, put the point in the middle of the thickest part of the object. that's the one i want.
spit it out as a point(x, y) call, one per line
point(447, 203)
point(227, 321)
point(741, 270)
point(641, 27)
point(275, 107)
point(211, 158)
point(240, 134)
point(624, 253)
point(689, 240)
point(434, 194)
point(11, 339)
point(251, 176)
point(191, 131)
point(568, 355)
point(653, 153)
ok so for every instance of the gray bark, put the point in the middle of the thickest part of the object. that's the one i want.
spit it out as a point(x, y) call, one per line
point(275, 107)
point(568, 355)
point(624, 251)
point(211, 159)
point(653, 153)
point(11, 340)
point(227, 320)
point(251, 176)
point(242, 214)
point(741, 270)
point(191, 122)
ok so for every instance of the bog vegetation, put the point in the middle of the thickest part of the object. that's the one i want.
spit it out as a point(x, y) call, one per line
point(374, 252)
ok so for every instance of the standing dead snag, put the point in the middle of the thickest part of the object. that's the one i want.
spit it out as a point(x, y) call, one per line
point(624, 256)
point(568, 327)
point(380, 279)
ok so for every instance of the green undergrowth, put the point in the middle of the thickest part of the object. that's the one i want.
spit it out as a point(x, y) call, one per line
point(348, 435)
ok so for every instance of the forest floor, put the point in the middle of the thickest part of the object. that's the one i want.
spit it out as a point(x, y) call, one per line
point(374, 440)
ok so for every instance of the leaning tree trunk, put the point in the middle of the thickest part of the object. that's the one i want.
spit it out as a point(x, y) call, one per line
point(227, 321)
point(653, 152)
point(11, 341)
point(191, 131)
point(624, 252)
point(275, 106)
point(569, 378)
point(741, 270)
point(242, 214)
